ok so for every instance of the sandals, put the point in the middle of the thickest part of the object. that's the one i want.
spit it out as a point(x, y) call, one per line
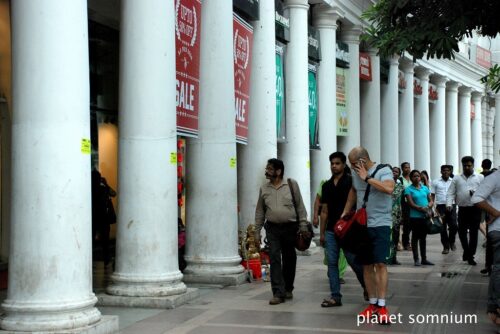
point(330, 303)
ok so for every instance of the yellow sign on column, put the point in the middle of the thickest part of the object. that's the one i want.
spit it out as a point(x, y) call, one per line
point(86, 146)
point(232, 162)
point(173, 158)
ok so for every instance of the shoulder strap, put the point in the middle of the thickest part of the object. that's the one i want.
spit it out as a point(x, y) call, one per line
point(290, 184)
point(367, 191)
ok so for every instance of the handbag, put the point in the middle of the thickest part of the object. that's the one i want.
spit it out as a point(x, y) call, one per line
point(434, 222)
point(302, 240)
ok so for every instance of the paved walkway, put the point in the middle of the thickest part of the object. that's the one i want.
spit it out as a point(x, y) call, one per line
point(451, 294)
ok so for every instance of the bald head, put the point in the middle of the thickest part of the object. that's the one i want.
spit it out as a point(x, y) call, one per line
point(359, 153)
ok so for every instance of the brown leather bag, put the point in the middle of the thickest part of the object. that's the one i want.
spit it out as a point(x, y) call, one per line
point(303, 239)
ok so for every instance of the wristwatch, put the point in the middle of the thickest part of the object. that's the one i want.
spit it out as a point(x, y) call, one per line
point(367, 178)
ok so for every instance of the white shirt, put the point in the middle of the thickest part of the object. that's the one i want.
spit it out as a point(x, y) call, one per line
point(461, 187)
point(489, 190)
point(440, 188)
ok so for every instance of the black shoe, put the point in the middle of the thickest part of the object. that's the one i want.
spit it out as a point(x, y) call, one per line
point(472, 262)
point(417, 263)
point(342, 281)
point(485, 271)
point(445, 251)
point(464, 257)
point(288, 295)
point(453, 247)
point(427, 263)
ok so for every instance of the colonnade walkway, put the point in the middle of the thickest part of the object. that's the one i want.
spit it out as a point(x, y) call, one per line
point(446, 294)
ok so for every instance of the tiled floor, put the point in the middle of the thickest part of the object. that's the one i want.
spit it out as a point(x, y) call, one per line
point(445, 294)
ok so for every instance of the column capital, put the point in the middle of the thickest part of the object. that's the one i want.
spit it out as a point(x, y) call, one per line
point(452, 86)
point(464, 91)
point(303, 4)
point(394, 60)
point(477, 96)
point(373, 52)
point(407, 65)
point(423, 73)
point(439, 80)
point(326, 17)
point(351, 34)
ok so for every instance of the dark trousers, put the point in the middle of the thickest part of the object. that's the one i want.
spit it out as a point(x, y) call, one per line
point(489, 250)
point(494, 287)
point(419, 235)
point(282, 256)
point(450, 227)
point(405, 221)
point(469, 218)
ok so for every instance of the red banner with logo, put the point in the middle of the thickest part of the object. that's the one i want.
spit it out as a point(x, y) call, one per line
point(242, 51)
point(187, 54)
point(365, 66)
point(483, 57)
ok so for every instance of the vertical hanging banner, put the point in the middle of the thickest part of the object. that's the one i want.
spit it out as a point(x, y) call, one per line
point(365, 66)
point(280, 95)
point(187, 54)
point(242, 51)
point(313, 108)
point(342, 100)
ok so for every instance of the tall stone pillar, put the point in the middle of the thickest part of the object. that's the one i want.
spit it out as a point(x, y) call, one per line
point(325, 20)
point(370, 109)
point(295, 152)
point(146, 240)
point(50, 264)
point(421, 125)
point(464, 122)
point(211, 191)
point(406, 117)
point(438, 128)
point(486, 135)
point(452, 156)
point(350, 35)
point(476, 129)
point(389, 115)
point(262, 120)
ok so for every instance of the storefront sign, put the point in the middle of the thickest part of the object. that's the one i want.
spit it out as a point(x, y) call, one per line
point(342, 54)
point(433, 94)
point(417, 88)
point(313, 108)
point(242, 51)
point(280, 95)
point(282, 22)
point(401, 81)
point(314, 50)
point(365, 66)
point(248, 8)
point(342, 100)
point(483, 57)
point(187, 52)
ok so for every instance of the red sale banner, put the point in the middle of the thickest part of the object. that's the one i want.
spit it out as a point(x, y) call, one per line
point(242, 50)
point(187, 49)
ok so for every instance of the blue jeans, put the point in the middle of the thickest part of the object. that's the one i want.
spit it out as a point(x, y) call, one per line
point(332, 249)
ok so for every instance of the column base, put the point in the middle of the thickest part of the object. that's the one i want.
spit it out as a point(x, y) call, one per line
point(167, 302)
point(224, 280)
point(133, 286)
point(107, 325)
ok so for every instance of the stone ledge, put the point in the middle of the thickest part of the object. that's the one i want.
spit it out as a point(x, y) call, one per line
point(167, 302)
point(107, 325)
point(216, 280)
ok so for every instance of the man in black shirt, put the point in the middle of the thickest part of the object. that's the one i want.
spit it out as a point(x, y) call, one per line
point(333, 200)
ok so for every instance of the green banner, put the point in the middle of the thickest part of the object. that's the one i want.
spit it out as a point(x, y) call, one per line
point(280, 95)
point(313, 108)
point(342, 101)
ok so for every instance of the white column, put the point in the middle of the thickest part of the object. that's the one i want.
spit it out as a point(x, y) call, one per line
point(295, 152)
point(50, 267)
point(421, 125)
point(389, 125)
point(485, 127)
point(350, 35)
point(452, 156)
point(476, 129)
point(325, 20)
point(406, 117)
point(370, 109)
point(262, 121)
point(146, 261)
point(438, 128)
point(211, 204)
point(496, 130)
point(464, 128)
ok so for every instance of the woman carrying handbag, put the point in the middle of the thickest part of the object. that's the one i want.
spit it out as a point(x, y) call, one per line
point(419, 199)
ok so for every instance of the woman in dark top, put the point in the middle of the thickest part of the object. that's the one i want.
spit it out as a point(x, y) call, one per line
point(419, 199)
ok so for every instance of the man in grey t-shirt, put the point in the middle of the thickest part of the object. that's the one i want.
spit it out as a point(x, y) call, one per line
point(378, 210)
point(487, 198)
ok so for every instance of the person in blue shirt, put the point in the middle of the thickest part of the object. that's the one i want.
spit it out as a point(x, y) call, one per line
point(419, 199)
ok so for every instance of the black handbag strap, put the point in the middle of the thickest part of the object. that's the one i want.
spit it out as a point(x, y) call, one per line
point(290, 184)
point(368, 187)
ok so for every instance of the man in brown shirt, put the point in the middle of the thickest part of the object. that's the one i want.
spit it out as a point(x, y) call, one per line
point(275, 208)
